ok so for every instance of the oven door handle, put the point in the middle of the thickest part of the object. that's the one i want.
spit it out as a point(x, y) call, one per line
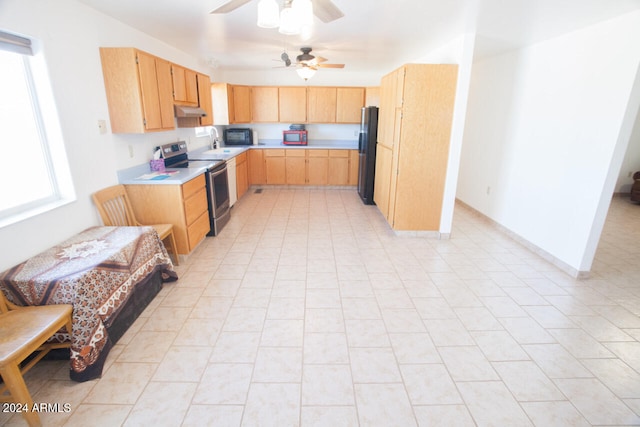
point(217, 172)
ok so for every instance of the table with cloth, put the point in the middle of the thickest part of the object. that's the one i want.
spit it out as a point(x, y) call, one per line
point(108, 274)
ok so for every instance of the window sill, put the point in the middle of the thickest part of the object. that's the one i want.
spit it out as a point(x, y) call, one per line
point(39, 210)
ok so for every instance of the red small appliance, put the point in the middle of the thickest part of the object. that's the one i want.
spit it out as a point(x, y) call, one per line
point(294, 137)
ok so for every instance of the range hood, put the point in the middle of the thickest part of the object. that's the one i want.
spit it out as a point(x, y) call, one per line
point(183, 111)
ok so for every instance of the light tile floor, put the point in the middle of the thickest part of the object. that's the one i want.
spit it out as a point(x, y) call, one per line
point(307, 310)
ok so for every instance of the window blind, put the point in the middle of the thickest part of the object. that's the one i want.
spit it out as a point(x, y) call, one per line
point(14, 43)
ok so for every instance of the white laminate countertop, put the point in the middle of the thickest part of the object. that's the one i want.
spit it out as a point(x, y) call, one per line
point(324, 144)
point(143, 175)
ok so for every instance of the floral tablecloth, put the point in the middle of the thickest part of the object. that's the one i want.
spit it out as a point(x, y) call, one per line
point(96, 271)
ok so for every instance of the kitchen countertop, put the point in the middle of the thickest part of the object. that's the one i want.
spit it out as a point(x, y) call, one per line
point(324, 144)
point(143, 175)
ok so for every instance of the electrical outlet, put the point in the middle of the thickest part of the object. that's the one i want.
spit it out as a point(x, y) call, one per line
point(629, 175)
point(488, 190)
point(102, 126)
point(131, 151)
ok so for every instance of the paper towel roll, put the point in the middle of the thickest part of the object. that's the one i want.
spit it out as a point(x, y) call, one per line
point(255, 138)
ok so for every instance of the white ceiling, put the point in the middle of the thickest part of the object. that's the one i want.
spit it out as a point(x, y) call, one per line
point(371, 35)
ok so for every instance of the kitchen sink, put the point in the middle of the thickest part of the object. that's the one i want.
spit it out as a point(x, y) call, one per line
point(223, 152)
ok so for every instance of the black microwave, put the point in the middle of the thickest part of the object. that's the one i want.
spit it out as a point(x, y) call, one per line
point(238, 136)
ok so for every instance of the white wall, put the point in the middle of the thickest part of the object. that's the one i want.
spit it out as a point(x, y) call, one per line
point(544, 130)
point(71, 35)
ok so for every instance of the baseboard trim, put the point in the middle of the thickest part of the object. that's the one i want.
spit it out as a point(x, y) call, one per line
point(577, 274)
point(424, 234)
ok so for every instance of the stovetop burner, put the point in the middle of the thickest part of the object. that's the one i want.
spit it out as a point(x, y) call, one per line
point(175, 156)
point(192, 163)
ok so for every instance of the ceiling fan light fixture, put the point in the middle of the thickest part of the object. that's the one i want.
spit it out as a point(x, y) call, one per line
point(305, 73)
point(304, 9)
point(268, 14)
point(289, 22)
point(306, 32)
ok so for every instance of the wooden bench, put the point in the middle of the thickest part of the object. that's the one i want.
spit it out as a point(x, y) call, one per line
point(23, 332)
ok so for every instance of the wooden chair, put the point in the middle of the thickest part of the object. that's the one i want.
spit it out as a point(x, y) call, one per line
point(24, 331)
point(115, 209)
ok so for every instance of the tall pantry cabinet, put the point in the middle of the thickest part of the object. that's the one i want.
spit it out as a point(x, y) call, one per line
point(414, 128)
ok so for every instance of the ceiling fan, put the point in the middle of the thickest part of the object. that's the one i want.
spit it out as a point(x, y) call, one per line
point(306, 59)
point(325, 10)
point(306, 63)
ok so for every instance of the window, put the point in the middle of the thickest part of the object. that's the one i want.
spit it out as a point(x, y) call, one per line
point(203, 131)
point(34, 173)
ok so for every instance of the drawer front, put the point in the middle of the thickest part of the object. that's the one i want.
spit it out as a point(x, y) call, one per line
point(195, 205)
point(338, 153)
point(198, 230)
point(318, 153)
point(241, 158)
point(277, 152)
point(295, 153)
point(190, 187)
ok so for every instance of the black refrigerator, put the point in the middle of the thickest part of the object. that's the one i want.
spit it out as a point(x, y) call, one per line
point(367, 153)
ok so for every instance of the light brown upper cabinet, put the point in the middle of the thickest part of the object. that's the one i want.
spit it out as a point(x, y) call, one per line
point(286, 104)
point(349, 103)
point(204, 102)
point(204, 99)
point(231, 104)
point(222, 101)
point(321, 104)
point(292, 103)
point(264, 104)
point(241, 104)
point(185, 85)
point(139, 91)
point(391, 92)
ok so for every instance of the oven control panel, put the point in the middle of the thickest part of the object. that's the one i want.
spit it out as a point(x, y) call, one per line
point(173, 149)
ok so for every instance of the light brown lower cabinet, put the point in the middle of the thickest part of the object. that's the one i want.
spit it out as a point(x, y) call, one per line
point(338, 167)
point(382, 183)
point(242, 178)
point(184, 206)
point(255, 166)
point(300, 166)
point(275, 166)
point(317, 167)
point(354, 167)
point(295, 167)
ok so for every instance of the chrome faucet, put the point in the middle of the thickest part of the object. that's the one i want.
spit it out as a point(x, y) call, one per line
point(213, 141)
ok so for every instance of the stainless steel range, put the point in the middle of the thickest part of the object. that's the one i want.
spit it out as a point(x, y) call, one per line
point(175, 156)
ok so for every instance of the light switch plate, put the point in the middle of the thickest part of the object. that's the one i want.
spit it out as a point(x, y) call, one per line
point(102, 126)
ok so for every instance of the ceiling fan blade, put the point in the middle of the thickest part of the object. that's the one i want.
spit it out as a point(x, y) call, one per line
point(330, 65)
point(326, 11)
point(321, 59)
point(230, 5)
